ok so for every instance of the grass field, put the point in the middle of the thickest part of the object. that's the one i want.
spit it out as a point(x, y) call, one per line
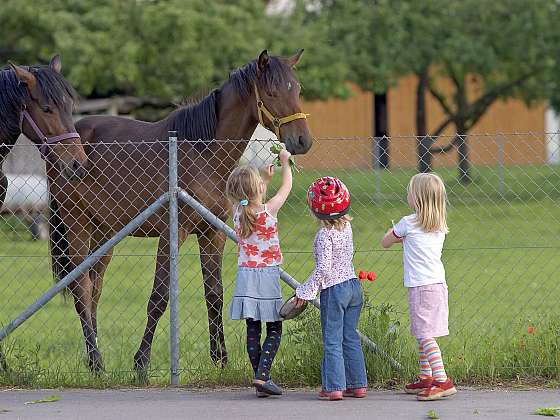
point(501, 256)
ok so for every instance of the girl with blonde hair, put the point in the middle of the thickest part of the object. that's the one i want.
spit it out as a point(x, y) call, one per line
point(258, 296)
point(422, 235)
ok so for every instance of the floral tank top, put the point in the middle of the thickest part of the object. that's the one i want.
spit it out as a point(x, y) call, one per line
point(262, 247)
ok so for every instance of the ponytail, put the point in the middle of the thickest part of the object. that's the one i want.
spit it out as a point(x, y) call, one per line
point(247, 221)
point(243, 188)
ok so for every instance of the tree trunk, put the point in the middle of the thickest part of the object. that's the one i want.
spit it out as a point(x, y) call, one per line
point(463, 162)
point(381, 131)
point(423, 142)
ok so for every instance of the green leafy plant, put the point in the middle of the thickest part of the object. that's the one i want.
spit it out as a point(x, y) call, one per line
point(548, 411)
point(276, 148)
point(432, 415)
point(49, 399)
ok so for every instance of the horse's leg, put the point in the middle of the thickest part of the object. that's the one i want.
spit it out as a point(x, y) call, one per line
point(82, 290)
point(211, 243)
point(157, 303)
point(97, 274)
point(3, 185)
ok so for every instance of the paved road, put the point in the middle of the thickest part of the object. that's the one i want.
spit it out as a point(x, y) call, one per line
point(241, 404)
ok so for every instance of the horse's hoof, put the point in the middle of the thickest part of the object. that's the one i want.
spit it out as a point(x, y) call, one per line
point(96, 365)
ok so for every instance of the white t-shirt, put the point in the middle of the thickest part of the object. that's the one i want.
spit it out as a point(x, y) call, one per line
point(422, 253)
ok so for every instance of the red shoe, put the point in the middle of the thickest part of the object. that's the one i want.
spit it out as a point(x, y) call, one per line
point(331, 396)
point(355, 392)
point(419, 385)
point(437, 391)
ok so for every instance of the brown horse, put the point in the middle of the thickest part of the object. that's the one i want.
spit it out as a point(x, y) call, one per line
point(129, 170)
point(38, 102)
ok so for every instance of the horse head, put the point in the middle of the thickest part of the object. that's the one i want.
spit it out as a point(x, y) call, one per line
point(46, 117)
point(277, 95)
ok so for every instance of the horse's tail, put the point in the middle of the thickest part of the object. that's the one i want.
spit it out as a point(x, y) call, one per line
point(58, 241)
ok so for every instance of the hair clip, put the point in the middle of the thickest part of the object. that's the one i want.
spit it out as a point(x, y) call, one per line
point(244, 202)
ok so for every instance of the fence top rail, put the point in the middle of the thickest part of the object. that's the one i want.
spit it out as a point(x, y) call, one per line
point(499, 136)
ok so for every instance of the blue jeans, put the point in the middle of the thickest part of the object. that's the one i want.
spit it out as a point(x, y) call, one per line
point(343, 360)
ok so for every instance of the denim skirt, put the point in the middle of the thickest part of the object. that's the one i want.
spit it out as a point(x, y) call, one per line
point(257, 295)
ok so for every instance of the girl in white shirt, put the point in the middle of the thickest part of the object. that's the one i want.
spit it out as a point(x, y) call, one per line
point(422, 235)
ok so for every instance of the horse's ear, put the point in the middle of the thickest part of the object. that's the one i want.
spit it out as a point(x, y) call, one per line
point(56, 64)
point(24, 75)
point(294, 59)
point(262, 62)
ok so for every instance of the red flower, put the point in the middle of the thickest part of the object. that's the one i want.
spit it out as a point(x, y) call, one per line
point(531, 330)
point(261, 219)
point(251, 250)
point(265, 233)
point(253, 264)
point(271, 255)
point(362, 275)
point(371, 276)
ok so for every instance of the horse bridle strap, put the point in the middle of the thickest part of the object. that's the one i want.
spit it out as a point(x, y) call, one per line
point(45, 141)
point(276, 122)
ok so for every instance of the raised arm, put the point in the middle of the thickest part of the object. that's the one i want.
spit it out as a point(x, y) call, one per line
point(281, 196)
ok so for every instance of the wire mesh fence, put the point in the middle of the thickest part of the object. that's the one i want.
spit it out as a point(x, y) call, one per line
point(501, 258)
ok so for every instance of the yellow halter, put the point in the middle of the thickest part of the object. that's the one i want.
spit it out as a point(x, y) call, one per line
point(276, 122)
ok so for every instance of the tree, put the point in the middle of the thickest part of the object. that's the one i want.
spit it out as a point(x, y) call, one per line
point(25, 35)
point(501, 49)
point(165, 49)
point(347, 39)
point(487, 51)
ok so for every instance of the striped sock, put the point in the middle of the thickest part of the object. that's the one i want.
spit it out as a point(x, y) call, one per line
point(433, 353)
point(425, 368)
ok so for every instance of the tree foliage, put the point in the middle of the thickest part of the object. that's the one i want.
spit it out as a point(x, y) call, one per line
point(487, 51)
point(169, 49)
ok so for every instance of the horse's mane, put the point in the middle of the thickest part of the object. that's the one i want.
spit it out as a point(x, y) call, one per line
point(198, 121)
point(13, 96)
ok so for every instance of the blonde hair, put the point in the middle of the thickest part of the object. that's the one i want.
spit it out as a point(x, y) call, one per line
point(245, 183)
point(338, 224)
point(429, 197)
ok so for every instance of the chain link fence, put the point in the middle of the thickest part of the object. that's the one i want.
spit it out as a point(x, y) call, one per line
point(501, 257)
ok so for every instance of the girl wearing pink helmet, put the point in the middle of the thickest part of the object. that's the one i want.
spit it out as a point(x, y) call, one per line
point(343, 370)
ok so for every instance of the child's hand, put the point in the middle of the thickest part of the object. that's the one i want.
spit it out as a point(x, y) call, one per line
point(284, 157)
point(277, 149)
point(299, 302)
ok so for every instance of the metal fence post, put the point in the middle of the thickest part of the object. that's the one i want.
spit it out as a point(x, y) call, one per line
point(501, 163)
point(173, 260)
point(377, 169)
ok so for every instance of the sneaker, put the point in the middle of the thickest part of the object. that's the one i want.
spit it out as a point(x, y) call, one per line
point(355, 392)
point(420, 384)
point(437, 391)
point(261, 394)
point(331, 396)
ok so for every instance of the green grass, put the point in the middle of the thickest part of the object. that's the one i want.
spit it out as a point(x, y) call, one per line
point(501, 257)
point(548, 411)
